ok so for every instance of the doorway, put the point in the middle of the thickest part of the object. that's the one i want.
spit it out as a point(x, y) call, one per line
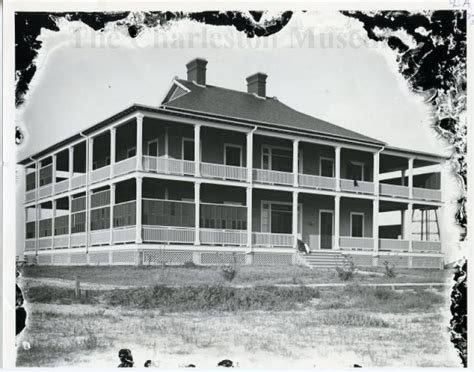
point(325, 229)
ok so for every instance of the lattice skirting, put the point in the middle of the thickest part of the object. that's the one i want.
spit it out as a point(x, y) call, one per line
point(154, 257)
point(272, 259)
point(218, 258)
point(427, 262)
point(398, 261)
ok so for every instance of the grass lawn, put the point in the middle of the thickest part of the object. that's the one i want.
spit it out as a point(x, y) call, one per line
point(247, 275)
point(204, 320)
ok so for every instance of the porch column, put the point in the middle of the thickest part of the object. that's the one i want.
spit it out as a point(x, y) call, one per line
point(53, 171)
point(294, 216)
point(410, 176)
point(295, 162)
point(89, 153)
point(249, 205)
point(139, 153)
point(138, 237)
point(197, 212)
point(90, 158)
point(337, 161)
point(112, 203)
point(337, 214)
point(249, 156)
point(71, 165)
point(69, 223)
point(38, 217)
point(197, 150)
point(375, 224)
point(113, 132)
point(53, 222)
point(408, 228)
point(376, 173)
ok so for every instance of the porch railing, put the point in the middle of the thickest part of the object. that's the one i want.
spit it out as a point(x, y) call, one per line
point(223, 237)
point(397, 191)
point(362, 187)
point(124, 235)
point(78, 181)
point(426, 194)
point(78, 239)
point(317, 182)
point(45, 243)
point(100, 174)
point(61, 241)
point(30, 196)
point(273, 177)
point(168, 234)
point(61, 187)
point(30, 245)
point(225, 172)
point(272, 240)
point(98, 237)
point(100, 199)
point(426, 246)
point(394, 245)
point(168, 166)
point(355, 243)
point(125, 166)
point(45, 191)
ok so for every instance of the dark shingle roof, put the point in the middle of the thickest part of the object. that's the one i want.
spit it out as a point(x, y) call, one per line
point(241, 105)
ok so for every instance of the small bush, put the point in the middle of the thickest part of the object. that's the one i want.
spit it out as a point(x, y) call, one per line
point(189, 265)
point(349, 319)
point(348, 269)
point(389, 270)
point(383, 294)
point(229, 272)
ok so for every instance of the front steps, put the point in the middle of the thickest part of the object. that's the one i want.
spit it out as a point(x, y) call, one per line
point(323, 259)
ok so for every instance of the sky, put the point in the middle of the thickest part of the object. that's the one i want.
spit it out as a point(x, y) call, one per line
point(321, 64)
point(337, 75)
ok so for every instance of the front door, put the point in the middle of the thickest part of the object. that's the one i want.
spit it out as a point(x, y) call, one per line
point(326, 230)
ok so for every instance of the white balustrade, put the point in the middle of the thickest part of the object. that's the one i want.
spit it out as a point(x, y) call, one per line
point(124, 235)
point(30, 196)
point(168, 166)
point(272, 240)
point(317, 182)
point(426, 194)
point(223, 237)
point(45, 242)
point(362, 187)
point(30, 245)
point(100, 174)
point(78, 239)
point(61, 187)
point(426, 246)
point(225, 172)
point(125, 166)
point(273, 177)
point(168, 234)
point(61, 241)
point(45, 191)
point(394, 245)
point(355, 243)
point(396, 191)
point(98, 237)
point(78, 181)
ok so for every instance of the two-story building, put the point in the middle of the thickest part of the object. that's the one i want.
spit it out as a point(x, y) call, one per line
point(215, 175)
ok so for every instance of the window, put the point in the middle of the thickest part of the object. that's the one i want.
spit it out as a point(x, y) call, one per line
point(188, 149)
point(356, 171)
point(131, 152)
point(278, 159)
point(357, 225)
point(152, 148)
point(233, 155)
point(326, 167)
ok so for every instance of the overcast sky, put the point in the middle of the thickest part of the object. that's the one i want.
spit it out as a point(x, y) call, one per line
point(336, 75)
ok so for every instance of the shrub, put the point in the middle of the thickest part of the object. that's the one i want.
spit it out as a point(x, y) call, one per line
point(389, 270)
point(229, 272)
point(189, 265)
point(348, 269)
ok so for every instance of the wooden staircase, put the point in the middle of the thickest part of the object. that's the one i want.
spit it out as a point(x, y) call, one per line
point(322, 259)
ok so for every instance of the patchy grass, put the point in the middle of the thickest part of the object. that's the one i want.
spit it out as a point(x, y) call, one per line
point(246, 275)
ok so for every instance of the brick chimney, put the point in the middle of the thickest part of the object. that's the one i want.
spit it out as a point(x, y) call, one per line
point(256, 83)
point(197, 71)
